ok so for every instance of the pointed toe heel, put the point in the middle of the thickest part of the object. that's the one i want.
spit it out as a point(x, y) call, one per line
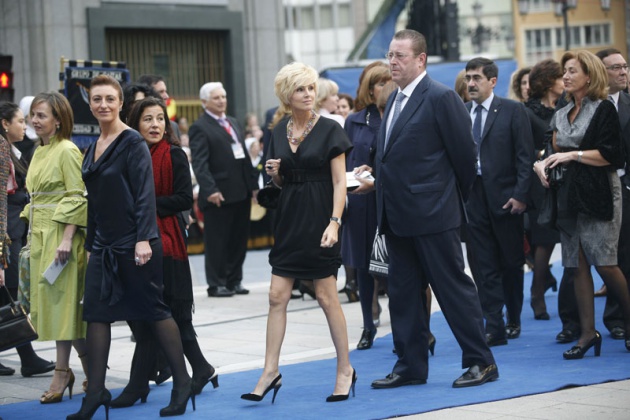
point(343, 397)
point(275, 385)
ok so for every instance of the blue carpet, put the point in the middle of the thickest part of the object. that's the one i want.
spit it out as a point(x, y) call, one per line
point(529, 365)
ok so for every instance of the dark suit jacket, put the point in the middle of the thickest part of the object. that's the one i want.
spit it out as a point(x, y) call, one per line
point(623, 108)
point(429, 163)
point(214, 164)
point(507, 153)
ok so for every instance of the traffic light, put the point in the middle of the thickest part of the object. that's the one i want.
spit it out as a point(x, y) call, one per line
point(6, 78)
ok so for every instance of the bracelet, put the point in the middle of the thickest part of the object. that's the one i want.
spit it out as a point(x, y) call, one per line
point(580, 154)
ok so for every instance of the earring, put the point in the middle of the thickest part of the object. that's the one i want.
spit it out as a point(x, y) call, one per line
point(58, 127)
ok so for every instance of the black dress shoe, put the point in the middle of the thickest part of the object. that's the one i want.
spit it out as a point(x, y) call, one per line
point(239, 289)
point(566, 336)
point(493, 340)
point(220, 292)
point(618, 333)
point(43, 367)
point(512, 331)
point(477, 375)
point(367, 339)
point(393, 380)
point(6, 371)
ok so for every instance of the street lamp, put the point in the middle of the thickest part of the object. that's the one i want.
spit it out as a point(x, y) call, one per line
point(561, 9)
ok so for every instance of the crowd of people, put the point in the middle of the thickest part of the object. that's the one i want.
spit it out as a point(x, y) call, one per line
point(447, 166)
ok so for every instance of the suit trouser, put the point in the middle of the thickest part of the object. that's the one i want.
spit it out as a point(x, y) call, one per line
point(225, 233)
point(613, 316)
point(497, 249)
point(438, 260)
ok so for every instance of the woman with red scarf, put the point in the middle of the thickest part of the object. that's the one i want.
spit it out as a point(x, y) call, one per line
point(173, 191)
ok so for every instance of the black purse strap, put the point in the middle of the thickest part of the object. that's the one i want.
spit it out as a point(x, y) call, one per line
point(4, 287)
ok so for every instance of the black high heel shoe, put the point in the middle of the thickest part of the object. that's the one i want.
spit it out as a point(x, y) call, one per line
point(343, 397)
point(551, 282)
point(577, 352)
point(432, 342)
point(352, 292)
point(90, 404)
point(273, 385)
point(367, 339)
point(198, 383)
point(307, 290)
point(179, 401)
point(129, 397)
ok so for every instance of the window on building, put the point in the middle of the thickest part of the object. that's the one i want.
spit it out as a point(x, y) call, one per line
point(540, 5)
point(326, 16)
point(344, 15)
point(538, 45)
point(597, 34)
point(307, 18)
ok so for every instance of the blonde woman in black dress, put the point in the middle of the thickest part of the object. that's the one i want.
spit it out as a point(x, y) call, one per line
point(306, 158)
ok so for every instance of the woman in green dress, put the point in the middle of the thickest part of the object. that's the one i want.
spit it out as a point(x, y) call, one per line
point(57, 210)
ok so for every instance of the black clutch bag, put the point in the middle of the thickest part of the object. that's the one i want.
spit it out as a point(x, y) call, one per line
point(15, 326)
point(556, 176)
point(269, 196)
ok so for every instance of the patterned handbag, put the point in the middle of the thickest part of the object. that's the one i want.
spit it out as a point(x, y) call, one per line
point(24, 267)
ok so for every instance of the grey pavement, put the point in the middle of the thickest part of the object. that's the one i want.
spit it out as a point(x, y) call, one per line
point(232, 335)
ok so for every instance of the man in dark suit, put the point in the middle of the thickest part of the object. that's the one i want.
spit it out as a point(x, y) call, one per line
point(505, 146)
point(617, 70)
point(224, 173)
point(159, 85)
point(424, 166)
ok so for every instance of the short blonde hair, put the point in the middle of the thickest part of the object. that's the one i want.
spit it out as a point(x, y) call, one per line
point(594, 68)
point(325, 89)
point(291, 77)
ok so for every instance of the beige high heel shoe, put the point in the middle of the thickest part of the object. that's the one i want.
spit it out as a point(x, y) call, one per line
point(50, 397)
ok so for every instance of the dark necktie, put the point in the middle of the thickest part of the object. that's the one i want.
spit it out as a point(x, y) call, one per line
point(476, 129)
point(397, 107)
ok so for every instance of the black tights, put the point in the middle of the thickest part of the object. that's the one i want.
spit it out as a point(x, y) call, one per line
point(99, 341)
point(366, 296)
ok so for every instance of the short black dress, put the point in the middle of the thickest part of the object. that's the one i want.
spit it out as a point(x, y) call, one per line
point(306, 201)
point(121, 212)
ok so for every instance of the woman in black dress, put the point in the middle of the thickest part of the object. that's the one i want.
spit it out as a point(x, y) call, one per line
point(545, 87)
point(306, 158)
point(173, 189)
point(124, 274)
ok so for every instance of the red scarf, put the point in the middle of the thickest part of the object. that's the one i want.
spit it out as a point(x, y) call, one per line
point(172, 238)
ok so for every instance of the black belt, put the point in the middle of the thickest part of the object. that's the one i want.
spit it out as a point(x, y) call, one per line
point(301, 176)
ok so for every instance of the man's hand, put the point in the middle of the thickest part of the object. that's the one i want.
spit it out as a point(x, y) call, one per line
point(216, 199)
point(517, 207)
point(366, 185)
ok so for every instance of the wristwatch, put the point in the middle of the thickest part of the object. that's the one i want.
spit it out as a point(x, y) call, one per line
point(335, 219)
